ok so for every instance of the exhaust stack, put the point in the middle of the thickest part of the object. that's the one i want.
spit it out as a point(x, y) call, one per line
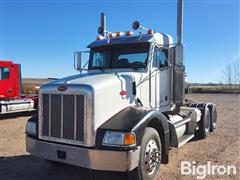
point(179, 22)
point(179, 68)
point(103, 25)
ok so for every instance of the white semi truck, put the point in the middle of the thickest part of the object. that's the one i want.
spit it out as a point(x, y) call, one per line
point(127, 110)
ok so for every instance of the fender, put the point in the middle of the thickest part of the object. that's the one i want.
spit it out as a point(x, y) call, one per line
point(136, 119)
point(34, 118)
point(158, 121)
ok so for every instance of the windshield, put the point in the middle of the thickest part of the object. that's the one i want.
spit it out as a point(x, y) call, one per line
point(4, 73)
point(119, 56)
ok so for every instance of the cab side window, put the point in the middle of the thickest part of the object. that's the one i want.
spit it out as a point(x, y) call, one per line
point(4, 73)
point(160, 58)
point(99, 59)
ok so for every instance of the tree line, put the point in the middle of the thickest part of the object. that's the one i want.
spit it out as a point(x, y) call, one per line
point(231, 74)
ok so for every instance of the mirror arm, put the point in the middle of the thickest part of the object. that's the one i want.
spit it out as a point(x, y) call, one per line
point(84, 66)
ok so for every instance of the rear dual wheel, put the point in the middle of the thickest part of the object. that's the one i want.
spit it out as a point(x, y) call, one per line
point(213, 114)
point(150, 157)
point(204, 123)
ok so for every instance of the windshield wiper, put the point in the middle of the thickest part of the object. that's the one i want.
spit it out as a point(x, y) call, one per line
point(136, 65)
point(134, 68)
point(100, 68)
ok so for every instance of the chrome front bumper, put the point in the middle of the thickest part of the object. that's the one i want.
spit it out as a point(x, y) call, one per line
point(84, 157)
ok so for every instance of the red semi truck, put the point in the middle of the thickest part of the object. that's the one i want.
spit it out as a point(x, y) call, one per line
point(11, 99)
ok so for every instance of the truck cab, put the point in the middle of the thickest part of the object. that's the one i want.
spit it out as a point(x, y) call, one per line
point(11, 99)
point(142, 64)
point(9, 80)
point(125, 112)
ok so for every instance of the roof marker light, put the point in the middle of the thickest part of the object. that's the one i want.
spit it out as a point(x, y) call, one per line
point(100, 38)
point(111, 35)
point(151, 31)
point(119, 34)
point(129, 33)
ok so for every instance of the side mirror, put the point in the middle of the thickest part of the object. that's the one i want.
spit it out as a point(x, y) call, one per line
point(77, 61)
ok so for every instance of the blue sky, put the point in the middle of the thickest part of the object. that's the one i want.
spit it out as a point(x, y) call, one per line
point(42, 35)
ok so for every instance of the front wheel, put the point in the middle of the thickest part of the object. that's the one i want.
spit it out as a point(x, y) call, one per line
point(150, 157)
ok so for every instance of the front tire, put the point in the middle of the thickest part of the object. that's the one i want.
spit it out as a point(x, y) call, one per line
point(150, 156)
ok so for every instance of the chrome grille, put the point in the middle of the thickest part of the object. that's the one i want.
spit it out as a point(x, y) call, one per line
point(63, 116)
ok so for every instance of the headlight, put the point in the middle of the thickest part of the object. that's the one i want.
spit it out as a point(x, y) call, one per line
point(31, 128)
point(112, 138)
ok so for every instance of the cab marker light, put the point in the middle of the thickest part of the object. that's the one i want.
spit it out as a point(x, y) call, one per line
point(119, 34)
point(129, 33)
point(100, 38)
point(151, 31)
point(111, 35)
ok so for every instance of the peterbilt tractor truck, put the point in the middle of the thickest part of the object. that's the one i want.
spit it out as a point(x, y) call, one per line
point(126, 111)
point(11, 98)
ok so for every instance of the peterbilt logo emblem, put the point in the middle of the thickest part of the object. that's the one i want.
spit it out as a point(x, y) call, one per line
point(62, 88)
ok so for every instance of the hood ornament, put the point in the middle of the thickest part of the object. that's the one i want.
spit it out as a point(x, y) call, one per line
point(62, 87)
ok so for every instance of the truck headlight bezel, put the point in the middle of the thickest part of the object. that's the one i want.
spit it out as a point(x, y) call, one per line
point(31, 128)
point(119, 139)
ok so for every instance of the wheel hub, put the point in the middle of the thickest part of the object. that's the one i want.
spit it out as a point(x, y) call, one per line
point(152, 157)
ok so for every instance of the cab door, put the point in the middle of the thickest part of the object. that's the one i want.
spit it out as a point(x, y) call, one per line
point(154, 80)
point(165, 79)
point(6, 82)
point(160, 80)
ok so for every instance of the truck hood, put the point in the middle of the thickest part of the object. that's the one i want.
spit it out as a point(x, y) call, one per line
point(110, 93)
point(101, 80)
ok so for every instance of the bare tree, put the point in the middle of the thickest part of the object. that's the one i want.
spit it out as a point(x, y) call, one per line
point(227, 74)
point(236, 73)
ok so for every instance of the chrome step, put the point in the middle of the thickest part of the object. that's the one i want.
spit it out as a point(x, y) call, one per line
point(184, 139)
point(180, 123)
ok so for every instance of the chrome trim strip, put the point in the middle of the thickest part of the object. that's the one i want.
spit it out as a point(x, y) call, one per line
point(75, 117)
point(62, 116)
point(49, 122)
point(85, 120)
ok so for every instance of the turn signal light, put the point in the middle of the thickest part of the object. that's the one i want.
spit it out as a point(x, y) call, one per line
point(129, 139)
point(129, 33)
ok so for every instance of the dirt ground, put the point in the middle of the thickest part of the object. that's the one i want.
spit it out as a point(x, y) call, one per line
point(222, 147)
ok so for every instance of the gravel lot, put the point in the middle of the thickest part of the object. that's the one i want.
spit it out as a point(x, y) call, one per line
point(221, 148)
